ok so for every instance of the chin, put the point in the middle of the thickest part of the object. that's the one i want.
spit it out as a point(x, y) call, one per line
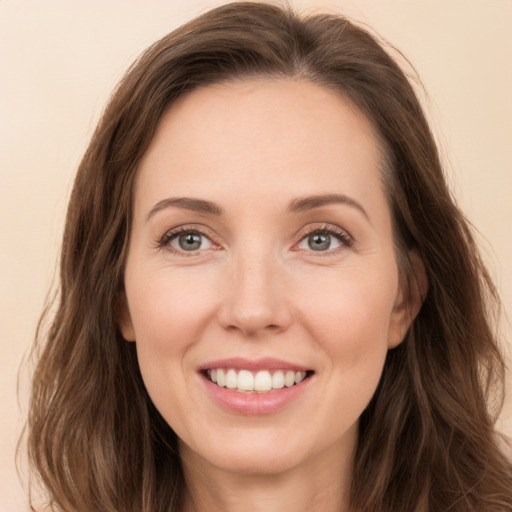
point(250, 463)
point(254, 457)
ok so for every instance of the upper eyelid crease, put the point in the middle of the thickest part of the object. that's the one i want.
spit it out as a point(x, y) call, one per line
point(342, 235)
point(337, 232)
point(178, 230)
point(171, 234)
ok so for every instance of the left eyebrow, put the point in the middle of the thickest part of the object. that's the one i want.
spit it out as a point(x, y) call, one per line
point(308, 203)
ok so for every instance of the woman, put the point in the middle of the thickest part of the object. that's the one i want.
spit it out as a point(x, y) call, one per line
point(268, 297)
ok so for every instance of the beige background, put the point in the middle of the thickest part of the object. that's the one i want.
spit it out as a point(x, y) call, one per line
point(60, 59)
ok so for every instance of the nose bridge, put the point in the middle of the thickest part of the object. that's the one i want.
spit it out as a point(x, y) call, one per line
point(256, 300)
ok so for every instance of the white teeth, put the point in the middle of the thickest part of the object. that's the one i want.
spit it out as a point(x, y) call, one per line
point(221, 378)
point(299, 377)
point(231, 379)
point(289, 379)
point(263, 381)
point(245, 381)
point(278, 380)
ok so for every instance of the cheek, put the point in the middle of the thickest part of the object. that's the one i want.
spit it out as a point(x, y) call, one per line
point(349, 316)
point(168, 309)
point(169, 312)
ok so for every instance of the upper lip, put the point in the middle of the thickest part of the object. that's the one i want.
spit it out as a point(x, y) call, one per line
point(265, 363)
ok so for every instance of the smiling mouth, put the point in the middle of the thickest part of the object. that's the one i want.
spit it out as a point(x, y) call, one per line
point(262, 381)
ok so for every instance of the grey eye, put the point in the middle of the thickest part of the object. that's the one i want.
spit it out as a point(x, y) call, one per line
point(190, 241)
point(319, 242)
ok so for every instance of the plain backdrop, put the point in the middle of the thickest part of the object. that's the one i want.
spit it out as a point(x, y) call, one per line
point(60, 59)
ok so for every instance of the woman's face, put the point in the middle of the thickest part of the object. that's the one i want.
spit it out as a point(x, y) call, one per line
point(262, 256)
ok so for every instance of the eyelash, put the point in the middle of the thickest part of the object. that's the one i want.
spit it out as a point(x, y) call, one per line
point(342, 236)
point(169, 236)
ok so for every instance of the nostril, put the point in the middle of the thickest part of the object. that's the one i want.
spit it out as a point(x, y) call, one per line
point(252, 330)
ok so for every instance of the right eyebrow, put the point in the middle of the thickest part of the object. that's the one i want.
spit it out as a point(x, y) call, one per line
point(188, 203)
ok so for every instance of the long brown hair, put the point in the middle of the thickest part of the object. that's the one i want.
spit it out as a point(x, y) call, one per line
point(426, 442)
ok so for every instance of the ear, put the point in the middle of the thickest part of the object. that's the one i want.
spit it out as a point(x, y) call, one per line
point(123, 317)
point(411, 294)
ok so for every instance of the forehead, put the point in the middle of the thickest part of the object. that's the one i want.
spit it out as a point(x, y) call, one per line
point(261, 138)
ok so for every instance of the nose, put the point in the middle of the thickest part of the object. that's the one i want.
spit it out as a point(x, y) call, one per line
point(255, 298)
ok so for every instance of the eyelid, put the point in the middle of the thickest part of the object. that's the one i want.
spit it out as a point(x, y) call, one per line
point(342, 235)
point(163, 242)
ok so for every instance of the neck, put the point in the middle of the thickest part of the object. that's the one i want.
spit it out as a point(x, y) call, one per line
point(321, 483)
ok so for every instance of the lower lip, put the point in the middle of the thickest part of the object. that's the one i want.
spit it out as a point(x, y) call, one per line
point(255, 403)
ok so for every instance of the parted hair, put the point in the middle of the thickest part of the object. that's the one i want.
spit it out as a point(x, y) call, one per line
point(426, 442)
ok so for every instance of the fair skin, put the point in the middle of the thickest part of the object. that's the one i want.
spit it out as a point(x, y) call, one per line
point(289, 265)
